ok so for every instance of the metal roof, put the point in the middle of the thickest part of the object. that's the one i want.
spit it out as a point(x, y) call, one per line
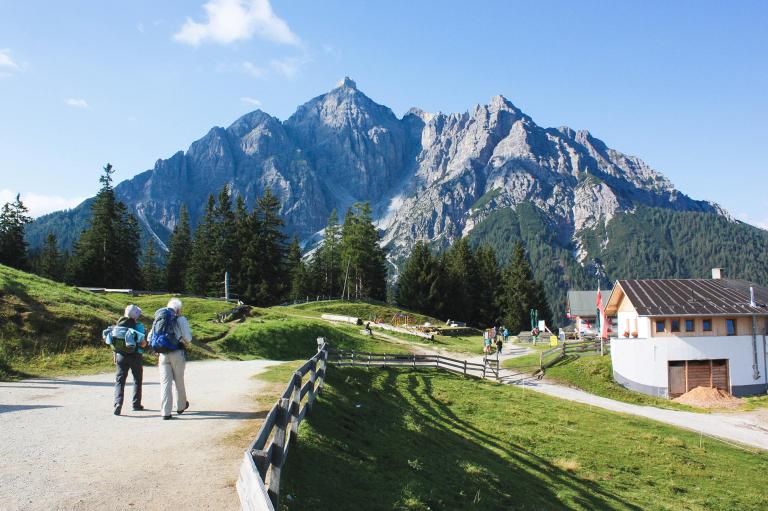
point(694, 297)
point(584, 303)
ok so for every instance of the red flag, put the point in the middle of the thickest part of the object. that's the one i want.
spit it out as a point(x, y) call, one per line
point(601, 315)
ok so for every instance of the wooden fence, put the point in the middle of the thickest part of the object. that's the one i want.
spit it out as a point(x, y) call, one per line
point(259, 483)
point(551, 356)
point(362, 358)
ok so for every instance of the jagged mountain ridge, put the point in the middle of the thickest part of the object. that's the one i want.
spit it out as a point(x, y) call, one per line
point(428, 176)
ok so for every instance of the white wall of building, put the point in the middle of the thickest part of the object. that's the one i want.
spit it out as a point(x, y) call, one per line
point(643, 361)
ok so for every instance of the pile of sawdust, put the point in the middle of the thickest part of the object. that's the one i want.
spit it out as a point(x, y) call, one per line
point(707, 397)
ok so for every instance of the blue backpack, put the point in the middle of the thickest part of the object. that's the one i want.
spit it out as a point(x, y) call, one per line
point(163, 338)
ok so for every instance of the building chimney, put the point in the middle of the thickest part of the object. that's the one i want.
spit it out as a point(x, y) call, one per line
point(717, 273)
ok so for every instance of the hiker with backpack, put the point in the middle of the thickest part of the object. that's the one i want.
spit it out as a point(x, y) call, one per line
point(127, 341)
point(169, 337)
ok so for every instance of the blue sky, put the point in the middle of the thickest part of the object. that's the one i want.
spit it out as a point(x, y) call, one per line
point(683, 85)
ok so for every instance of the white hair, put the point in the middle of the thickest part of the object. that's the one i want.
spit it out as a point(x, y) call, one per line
point(175, 304)
point(132, 311)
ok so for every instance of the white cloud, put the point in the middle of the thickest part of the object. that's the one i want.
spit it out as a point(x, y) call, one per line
point(140, 27)
point(250, 101)
point(289, 67)
point(76, 103)
point(6, 61)
point(234, 20)
point(39, 205)
point(252, 69)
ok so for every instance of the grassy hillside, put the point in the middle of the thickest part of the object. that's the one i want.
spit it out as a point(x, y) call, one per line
point(48, 328)
point(432, 440)
point(366, 311)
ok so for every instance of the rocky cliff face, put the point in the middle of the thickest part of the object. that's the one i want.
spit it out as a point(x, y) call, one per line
point(428, 176)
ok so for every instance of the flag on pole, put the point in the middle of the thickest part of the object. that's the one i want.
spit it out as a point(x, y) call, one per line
point(602, 323)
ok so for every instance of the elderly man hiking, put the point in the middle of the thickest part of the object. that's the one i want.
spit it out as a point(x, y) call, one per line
point(169, 337)
point(127, 341)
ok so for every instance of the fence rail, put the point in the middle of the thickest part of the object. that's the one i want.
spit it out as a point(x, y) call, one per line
point(259, 483)
point(362, 358)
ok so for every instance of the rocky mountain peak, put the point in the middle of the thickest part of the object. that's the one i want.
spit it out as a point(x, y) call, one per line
point(346, 83)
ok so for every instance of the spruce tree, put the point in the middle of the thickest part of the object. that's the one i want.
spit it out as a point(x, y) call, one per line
point(202, 273)
point(363, 259)
point(150, 272)
point(263, 265)
point(13, 247)
point(489, 288)
point(327, 260)
point(297, 271)
point(518, 294)
point(50, 262)
point(179, 253)
point(419, 283)
point(464, 292)
point(107, 253)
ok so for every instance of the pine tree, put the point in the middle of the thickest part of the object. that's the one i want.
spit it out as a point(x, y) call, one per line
point(363, 259)
point(518, 293)
point(327, 260)
point(419, 283)
point(107, 253)
point(297, 271)
point(150, 272)
point(263, 265)
point(50, 262)
point(463, 282)
point(202, 274)
point(179, 253)
point(489, 283)
point(13, 247)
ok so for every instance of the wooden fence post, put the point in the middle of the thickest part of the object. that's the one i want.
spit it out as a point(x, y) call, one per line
point(414, 361)
point(278, 450)
point(465, 367)
point(541, 361)
point(295, 406)
point(311, 393)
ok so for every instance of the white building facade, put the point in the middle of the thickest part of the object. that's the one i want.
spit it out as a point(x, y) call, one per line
point(677, 334)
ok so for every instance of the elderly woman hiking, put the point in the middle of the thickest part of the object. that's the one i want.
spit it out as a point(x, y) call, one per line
point(169, 337)
point(127, 340)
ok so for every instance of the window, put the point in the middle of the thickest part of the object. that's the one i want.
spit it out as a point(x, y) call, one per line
point(660, 325)
point(730, 326)
point(706, 325)
point(675, 325)
point(690, 326)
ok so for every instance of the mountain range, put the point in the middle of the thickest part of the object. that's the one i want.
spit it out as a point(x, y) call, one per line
point(490, 173)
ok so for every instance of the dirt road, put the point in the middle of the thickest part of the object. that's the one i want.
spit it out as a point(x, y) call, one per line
point(62, 448)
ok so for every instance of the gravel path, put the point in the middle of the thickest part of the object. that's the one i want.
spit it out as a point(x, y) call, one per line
point(62, 448)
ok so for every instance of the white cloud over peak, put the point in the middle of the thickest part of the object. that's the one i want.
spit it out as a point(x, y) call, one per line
point(39, 205)
point(289, 67)
point(76, 103)
point(228, 21)
point(252, 69)
point(250, 101)
point(6, 61)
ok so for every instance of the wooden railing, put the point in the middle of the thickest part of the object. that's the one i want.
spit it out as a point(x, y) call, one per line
point(259, 483)
point(362, 358)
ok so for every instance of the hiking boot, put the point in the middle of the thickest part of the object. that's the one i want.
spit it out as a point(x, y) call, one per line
point(183, 409)
point(138, 408)
point(167, 417)
point(118, 409)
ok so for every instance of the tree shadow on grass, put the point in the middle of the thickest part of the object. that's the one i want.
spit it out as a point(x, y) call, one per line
point(386, 442)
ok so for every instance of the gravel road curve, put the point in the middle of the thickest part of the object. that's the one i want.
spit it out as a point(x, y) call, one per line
point(62, 448)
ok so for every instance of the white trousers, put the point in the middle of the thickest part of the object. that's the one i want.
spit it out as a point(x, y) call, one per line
point(172, 371)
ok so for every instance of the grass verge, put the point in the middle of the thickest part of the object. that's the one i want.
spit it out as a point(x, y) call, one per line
point(594, 374)
point(389, 439)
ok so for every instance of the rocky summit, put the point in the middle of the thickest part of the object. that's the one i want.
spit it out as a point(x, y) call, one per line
point(428, 176)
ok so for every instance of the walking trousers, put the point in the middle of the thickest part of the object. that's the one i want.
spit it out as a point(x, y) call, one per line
point(124, 363)
point(172, 371)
